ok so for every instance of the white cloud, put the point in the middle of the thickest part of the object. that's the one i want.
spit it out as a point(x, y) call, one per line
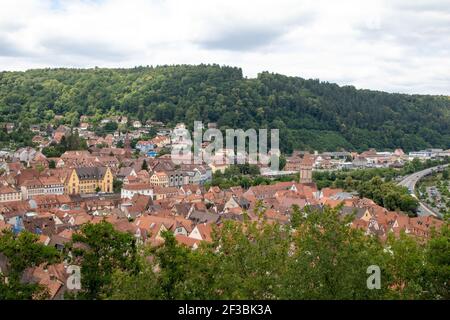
point(399, 45)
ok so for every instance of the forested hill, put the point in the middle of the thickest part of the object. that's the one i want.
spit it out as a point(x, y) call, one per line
point(310, 114)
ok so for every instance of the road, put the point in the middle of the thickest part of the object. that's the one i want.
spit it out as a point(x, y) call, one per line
point(411, 181)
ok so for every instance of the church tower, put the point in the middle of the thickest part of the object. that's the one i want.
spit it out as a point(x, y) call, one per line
point(127, 146)
point(306, 166)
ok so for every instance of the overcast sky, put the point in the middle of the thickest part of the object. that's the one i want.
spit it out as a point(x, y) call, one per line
point(392, 45)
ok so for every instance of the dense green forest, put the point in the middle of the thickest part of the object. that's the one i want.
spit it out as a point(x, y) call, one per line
point(310, 114)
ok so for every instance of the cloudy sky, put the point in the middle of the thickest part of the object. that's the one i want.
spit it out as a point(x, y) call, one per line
point(392, 45)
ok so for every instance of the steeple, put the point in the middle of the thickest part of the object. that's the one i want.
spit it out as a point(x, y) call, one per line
point(127, 146)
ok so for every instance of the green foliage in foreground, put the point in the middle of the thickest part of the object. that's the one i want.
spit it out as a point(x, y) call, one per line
point(322, 258)
point(23, 251)
point(103, 249)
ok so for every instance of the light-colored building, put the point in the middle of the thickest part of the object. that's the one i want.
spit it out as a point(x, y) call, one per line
point(218, 167)
point(129, 190)
point(423, 154)
point(165, 192)
point(160, 179)
point(8, 193)
point(42, 186)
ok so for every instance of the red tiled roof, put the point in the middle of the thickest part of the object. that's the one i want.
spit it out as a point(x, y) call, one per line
point(185, 240)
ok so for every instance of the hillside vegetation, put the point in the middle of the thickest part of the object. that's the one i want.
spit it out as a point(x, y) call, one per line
point(310, 114)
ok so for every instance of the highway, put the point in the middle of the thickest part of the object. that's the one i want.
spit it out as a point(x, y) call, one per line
point(410, 182)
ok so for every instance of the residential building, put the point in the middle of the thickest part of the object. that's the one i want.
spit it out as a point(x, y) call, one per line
point(129, 190)
point(165, 192)
point(89, 180)
point(42, 186)
point(423, 154)
point(145, 146)
point(218, 166)
point(8, 194)
point(160, 140)
point(160, 179)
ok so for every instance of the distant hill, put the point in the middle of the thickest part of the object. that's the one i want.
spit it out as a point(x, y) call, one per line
point(310, 114)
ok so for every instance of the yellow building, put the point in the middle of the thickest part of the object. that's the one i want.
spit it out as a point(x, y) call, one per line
point(89, 180)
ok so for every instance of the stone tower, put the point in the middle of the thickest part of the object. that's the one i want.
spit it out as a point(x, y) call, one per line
point(127, 146)
point(306, 166)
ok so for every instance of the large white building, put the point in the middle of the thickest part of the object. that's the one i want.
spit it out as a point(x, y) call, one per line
point(131, 189)
point(42, 186)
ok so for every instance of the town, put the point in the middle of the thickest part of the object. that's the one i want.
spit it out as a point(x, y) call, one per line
point(124, 174)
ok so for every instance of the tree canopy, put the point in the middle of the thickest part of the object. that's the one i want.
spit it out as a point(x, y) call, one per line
point(23, 251)
point(309, 114)
point(320, 257)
